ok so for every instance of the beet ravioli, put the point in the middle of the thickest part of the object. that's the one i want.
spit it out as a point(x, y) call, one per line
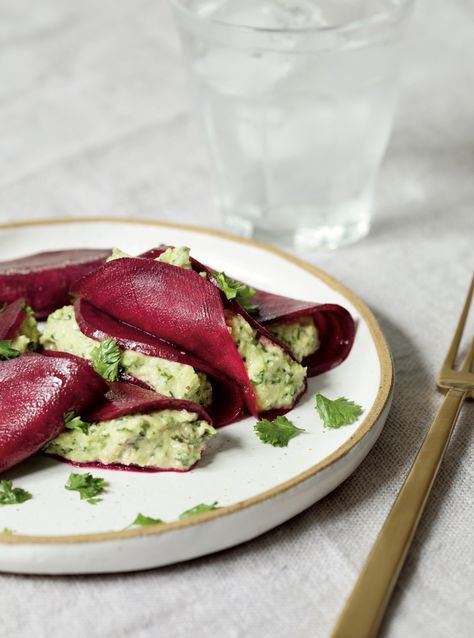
point(37, 392)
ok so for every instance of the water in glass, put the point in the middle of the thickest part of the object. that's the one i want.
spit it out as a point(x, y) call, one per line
point(297, 122)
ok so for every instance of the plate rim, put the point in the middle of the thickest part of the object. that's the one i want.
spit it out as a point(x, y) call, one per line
point(382, 398)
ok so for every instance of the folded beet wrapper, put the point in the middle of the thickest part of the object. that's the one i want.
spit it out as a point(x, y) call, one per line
point(124, 398)
point(335, 325)
point(35, 393)
point(227, 403)
point(11, 318)
point(176, 305)
point(44, 279)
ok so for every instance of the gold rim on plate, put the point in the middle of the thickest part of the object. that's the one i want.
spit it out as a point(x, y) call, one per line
point(383, 394)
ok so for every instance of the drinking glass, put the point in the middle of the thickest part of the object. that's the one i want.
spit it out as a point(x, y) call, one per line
point(297, 98)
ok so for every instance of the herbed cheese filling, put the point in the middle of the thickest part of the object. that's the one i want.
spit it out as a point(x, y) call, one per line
point(118, 253)
point(276, 378)
point(169, 378)
point(165, 439)
point(175, 256)
point(300, 335)
point(27, 337)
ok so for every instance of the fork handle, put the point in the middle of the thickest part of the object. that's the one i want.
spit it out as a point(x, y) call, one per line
point(364, 610)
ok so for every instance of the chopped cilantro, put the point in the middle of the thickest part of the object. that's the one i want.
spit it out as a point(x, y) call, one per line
point(277, 432)
point(199, 509)
point(10, 495)
point(142, 521)
point(234, 289)
point(338, 412)
point(29, 310)
point(106, 359)
point(87, 486)
point(6, 351)
point(74, 422)
point(7, 531)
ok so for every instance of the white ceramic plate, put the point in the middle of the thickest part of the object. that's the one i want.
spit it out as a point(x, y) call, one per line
point(256, 485)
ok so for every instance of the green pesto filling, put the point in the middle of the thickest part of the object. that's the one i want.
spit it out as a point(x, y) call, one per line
point(276, 378)
point(27, 337)
point(300, 335)
point(172, 379)
point(166, 439)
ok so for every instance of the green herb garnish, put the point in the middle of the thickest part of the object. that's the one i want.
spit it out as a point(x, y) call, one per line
point(277, 432)
point(6, 351)
point(142, 521)
point(199, 509)
point(74, 422)
point(87, 486)
point(234, 289)
point(7, 531)
point(10, 495)
point(338, 412)
point(106, 359)
point(29, 310)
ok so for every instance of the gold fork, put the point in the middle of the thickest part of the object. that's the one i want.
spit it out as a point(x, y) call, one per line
point(365, 607)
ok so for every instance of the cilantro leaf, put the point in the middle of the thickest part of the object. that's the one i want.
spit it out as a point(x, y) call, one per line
point(234, 289)
point(199, 509)
point(142, 521)
point(7, 531)
point(277, 432)
point(74, 422)
point(106, 359)
point(6, 351)
point(87, 486)
point(29, 310)
point(338, 412)
point(10, 495)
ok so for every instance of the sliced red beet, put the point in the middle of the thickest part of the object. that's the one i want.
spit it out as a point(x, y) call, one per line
point(173, 304)
point(11, 318)
point(227, 403)
point(44, 279)
point(35, 393)
point(335, 325)
point(124, 398)
point(137, 291)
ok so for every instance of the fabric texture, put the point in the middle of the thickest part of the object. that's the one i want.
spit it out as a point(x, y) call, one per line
point(94, 119)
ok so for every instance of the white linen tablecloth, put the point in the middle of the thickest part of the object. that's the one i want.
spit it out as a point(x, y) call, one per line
point(94, 119)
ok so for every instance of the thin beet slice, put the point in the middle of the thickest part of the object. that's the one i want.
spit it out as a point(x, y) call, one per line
point(227, 403)
point(35, 393)
point(335, 325)
point(124, 398)
point(44, 279)
point(11, 318)
point(173, 304)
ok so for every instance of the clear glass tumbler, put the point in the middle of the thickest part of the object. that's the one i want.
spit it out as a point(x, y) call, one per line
point(297, 99)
